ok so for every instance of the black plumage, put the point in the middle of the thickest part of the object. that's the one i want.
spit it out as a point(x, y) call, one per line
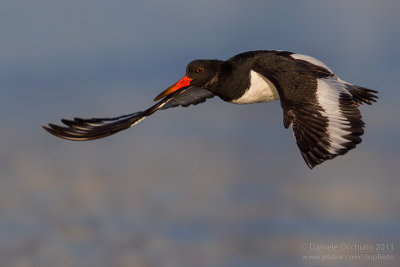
point(321, 108)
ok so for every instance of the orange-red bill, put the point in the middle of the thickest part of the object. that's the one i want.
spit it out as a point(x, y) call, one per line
point(184, 82)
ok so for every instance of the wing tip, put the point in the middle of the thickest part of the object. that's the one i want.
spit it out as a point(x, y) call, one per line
point(80, 129)
point(362, 95)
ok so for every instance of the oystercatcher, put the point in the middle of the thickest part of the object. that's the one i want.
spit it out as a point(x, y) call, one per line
point(321, 108)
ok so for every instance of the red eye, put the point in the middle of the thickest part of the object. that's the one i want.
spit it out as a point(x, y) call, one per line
point(199, 69)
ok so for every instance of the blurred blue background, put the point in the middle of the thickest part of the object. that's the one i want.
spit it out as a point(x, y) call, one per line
point(213, 185)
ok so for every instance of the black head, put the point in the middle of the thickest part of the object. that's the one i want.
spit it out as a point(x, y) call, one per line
point(199, 73)
point(202, 71)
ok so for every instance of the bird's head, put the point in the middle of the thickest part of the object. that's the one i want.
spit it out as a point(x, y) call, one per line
point(199, 73)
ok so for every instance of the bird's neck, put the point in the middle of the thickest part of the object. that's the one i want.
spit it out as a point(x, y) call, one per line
point(230, 82)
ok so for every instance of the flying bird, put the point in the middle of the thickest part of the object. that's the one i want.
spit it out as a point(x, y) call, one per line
point(321, 109)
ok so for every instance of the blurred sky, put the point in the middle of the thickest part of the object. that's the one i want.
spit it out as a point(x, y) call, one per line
point(211, 185)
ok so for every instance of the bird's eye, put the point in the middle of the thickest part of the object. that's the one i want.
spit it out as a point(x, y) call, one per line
point(199, 69)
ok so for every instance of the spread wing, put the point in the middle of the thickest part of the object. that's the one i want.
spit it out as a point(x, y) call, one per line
point(80, 129)
point(321, 108)
point(326, 124)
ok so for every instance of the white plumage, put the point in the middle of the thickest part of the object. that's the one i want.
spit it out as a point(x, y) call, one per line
point(328, 93)
point(260, 90)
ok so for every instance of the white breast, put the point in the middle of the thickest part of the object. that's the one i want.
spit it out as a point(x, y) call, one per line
point(260, 90)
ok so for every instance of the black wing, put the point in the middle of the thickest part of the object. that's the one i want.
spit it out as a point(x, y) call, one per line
point(80, 129)
point(328, 124)
point(320, 107)
point(191, 96)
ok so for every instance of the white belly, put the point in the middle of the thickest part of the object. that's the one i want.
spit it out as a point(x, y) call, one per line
point(260, 90)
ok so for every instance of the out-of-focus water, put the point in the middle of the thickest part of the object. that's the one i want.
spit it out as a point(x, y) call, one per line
point(211, 185)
